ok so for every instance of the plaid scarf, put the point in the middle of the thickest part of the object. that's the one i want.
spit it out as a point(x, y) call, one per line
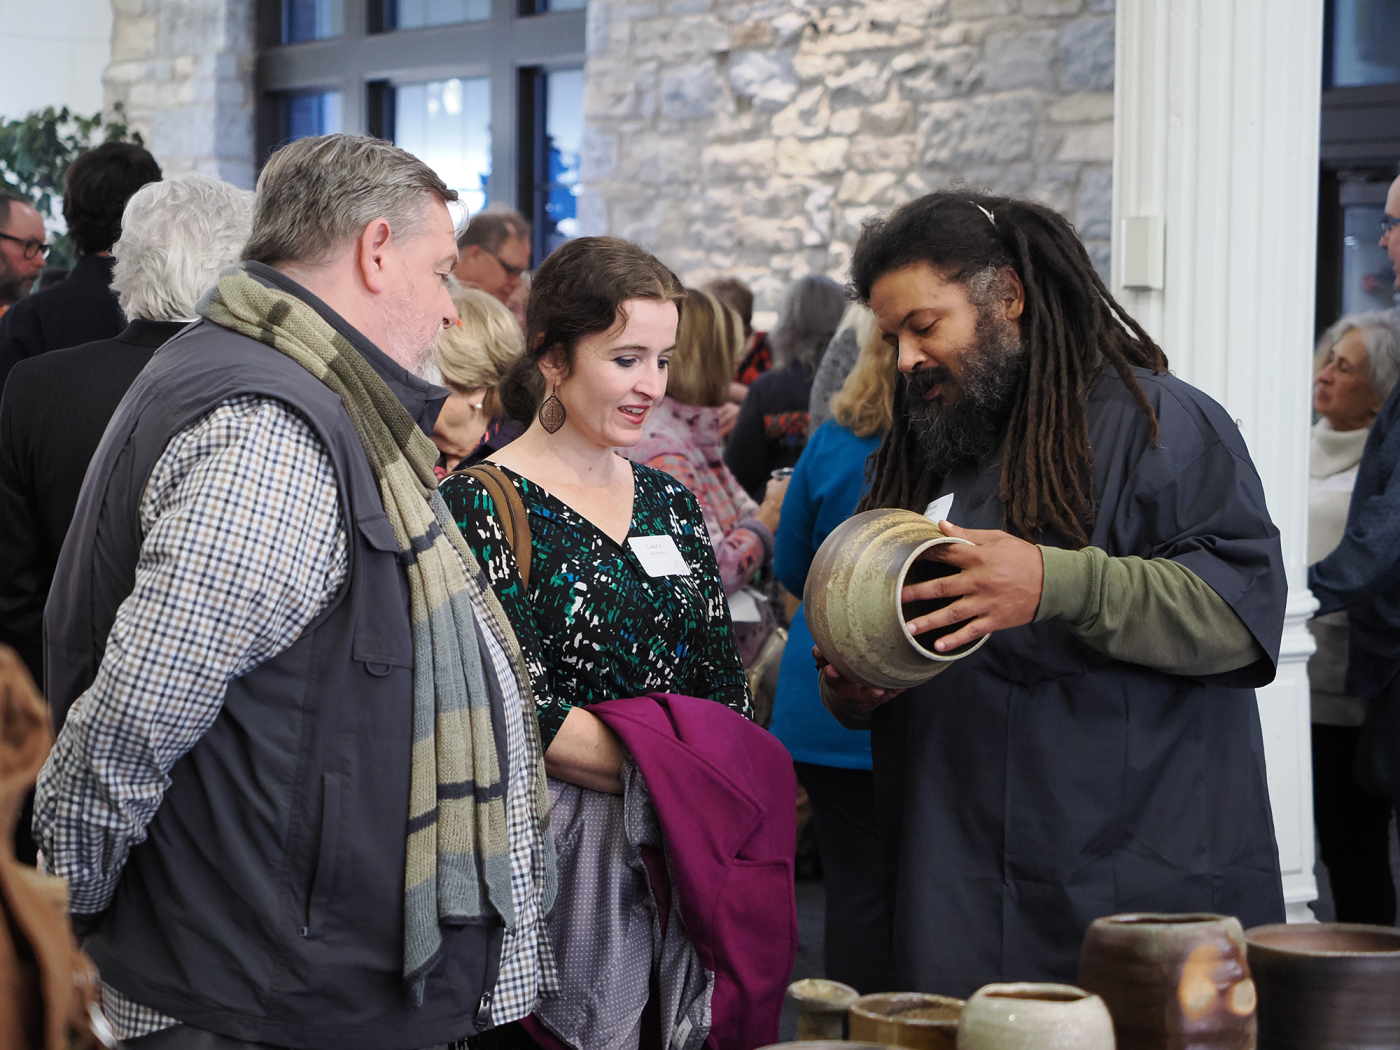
point(458, 865)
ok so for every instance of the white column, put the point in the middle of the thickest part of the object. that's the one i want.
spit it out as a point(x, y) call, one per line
point(1216, 114)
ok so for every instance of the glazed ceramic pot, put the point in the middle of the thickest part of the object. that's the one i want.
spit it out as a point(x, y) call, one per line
point(1034, 1017)
point(821, 1007)
point(1172, 982)
point(852, 599)
point(1326, 986)
point(909, 1019)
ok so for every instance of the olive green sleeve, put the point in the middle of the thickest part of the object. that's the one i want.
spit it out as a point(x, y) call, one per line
point(1154, 612)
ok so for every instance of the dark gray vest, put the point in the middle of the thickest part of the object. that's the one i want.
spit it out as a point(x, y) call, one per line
point(267, 902)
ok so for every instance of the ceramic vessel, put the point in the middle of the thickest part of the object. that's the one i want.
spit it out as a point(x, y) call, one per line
point(1172, 982)
point(821, 1007)
point(909, 1019)
point(1034, 1017)
point(1326, 986)
point(852, 599)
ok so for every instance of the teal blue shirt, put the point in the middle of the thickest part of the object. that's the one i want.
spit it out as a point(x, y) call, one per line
point(826, 486)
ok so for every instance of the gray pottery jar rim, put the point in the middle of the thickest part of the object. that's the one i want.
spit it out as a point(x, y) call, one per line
point(1156, 918)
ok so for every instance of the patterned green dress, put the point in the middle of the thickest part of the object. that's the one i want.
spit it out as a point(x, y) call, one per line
point(595, 625)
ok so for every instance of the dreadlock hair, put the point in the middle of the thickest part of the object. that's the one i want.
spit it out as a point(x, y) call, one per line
point(1070, 323)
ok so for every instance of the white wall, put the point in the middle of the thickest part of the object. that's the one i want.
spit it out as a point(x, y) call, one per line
point(1216, 138)
point(54, 52)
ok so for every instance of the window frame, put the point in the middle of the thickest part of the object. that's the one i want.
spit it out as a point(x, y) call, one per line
point(365, 61)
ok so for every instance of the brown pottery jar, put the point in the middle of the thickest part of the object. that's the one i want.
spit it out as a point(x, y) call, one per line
point(914, 1020)
point(1172, 982)
point(852, 599)
point(1326, 986)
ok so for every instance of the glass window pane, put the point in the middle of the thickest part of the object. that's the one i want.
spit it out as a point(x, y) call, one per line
point(310, 113)
point(1368, 281)
point(1364, 35)
point(563, 126)
point(560, 5)
point(414, 14)
point(312, 20)
point(447, 125)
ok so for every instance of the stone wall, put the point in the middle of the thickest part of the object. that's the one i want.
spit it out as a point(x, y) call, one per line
point(753, 137)
point(184, 71)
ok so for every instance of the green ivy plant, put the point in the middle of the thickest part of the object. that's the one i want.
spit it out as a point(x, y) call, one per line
point(35, 152)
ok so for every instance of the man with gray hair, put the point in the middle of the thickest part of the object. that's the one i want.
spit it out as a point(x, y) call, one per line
point(176, 236)
point(297, 796)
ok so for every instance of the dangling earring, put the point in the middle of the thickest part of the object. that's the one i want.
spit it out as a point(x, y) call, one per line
point(552, 414)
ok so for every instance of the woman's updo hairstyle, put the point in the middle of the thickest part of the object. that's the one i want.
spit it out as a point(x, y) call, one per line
point(577, 292)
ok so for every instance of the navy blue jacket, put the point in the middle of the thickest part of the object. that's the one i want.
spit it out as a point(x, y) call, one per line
point(1362, 574)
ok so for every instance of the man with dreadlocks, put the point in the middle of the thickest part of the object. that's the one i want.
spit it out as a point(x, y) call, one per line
point(1101, 753)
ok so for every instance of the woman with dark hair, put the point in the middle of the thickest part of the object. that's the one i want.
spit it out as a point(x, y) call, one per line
point(682, 438)
point(601, 332)
point(772, 424)
point(620, 598)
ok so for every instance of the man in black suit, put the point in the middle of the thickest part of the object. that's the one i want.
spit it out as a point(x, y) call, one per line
point(175, 238)
point(81, 307)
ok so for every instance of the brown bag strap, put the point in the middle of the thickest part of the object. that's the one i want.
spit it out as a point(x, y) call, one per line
point(510, 512)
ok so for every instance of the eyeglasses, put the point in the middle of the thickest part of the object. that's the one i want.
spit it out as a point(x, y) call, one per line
point(511, 271)
point(1386, 223)
point(31, 248)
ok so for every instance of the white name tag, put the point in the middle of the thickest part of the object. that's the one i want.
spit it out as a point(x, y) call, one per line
point(659, 555)
point(940, 508)
point(743, 607)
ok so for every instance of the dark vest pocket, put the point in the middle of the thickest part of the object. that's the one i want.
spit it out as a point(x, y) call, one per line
point(323, 882)
point(383, 638)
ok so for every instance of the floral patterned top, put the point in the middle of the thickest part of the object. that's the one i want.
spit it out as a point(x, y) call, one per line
point(683, 440)
point(595, 625)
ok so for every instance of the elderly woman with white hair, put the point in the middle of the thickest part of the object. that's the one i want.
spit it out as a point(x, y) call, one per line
point(1358, 362)
point(176, 236)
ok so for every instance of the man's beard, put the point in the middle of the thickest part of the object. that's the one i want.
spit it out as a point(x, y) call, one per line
point(12, 285)
point(970, 430)
point(413, 335)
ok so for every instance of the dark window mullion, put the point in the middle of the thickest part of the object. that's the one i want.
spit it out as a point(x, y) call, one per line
point(531, 160)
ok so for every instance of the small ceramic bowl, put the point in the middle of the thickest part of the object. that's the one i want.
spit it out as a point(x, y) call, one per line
point(853, 606)
point(909, 1019)
point(1035, 1017)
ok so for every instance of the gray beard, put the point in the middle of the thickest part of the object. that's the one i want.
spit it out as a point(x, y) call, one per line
point(412, 338)
point(970, 430)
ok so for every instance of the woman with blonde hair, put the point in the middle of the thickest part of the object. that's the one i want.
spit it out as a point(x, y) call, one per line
point(473, 356)
point(682, 437)
point(832, 763)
